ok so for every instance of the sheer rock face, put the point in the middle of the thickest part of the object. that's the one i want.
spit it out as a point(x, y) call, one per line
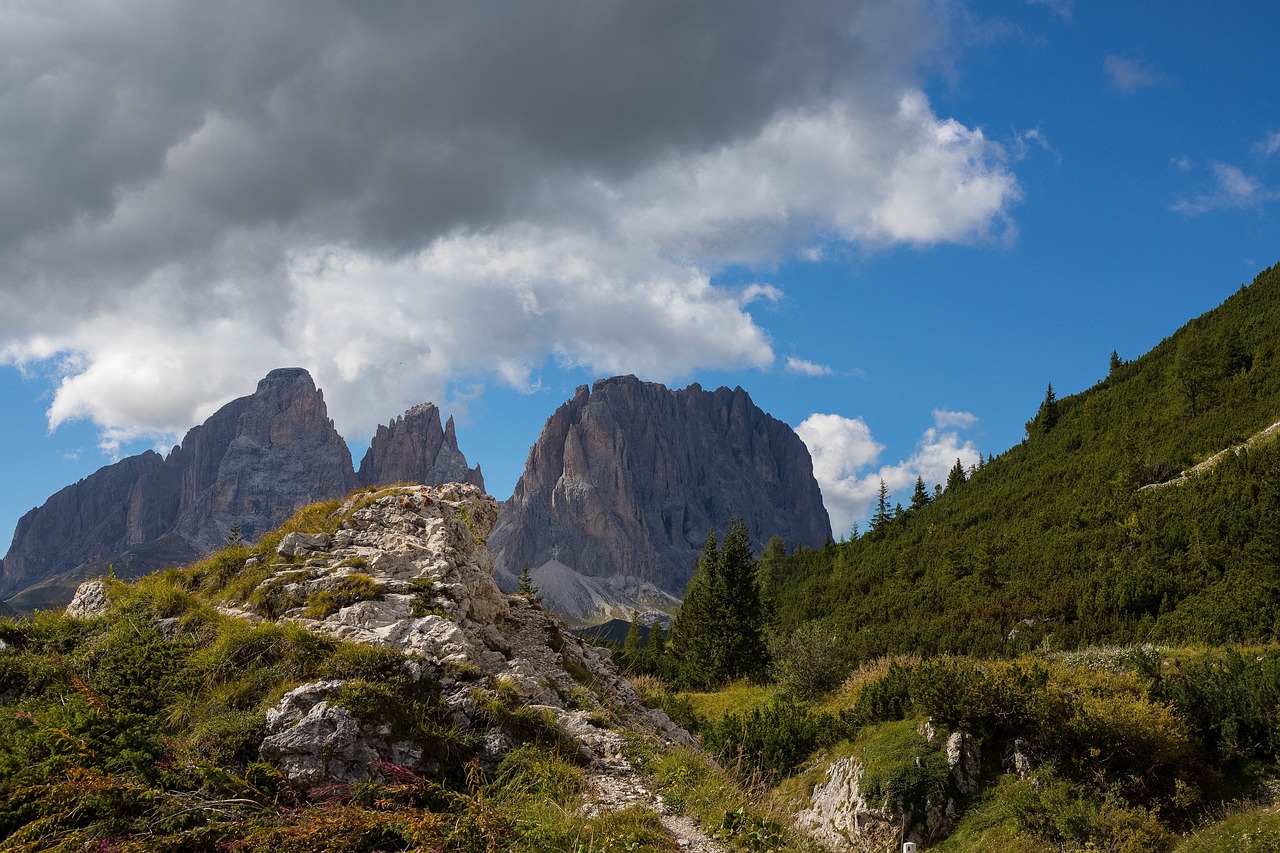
point(414, 448)
point(251, 464)
point(627, 478)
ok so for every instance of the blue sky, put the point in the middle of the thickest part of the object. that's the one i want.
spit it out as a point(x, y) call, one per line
point(892, 223)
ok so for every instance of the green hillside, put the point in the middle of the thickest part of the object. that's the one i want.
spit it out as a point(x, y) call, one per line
point(1054, 543)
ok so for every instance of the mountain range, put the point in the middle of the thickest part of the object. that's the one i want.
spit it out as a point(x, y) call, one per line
point(617, 497)
point(239, 474)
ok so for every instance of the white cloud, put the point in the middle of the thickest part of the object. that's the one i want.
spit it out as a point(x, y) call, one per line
point(845, 453)
point(1128, 75)
point(1232, 188)
point(807, 368)
point(303, 191)
point(943, 418)
point(1271, 144)
point(1182, 163)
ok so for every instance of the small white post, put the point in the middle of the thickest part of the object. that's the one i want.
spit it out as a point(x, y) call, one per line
point(908, 847)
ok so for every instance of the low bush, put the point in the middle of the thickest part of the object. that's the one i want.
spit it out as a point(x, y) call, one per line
point(773, 740)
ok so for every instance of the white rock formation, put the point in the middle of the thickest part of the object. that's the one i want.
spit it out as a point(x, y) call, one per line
point(841, 817)
point(90, 600)
point(422, 549)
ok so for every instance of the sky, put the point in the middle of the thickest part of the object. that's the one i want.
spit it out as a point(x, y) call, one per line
point(893, 223)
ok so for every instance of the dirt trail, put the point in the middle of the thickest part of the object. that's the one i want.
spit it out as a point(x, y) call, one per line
point(615, 785)
point(1214, 459)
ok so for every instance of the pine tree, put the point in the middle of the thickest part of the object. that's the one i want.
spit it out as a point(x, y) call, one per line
point(1048, 416)
point(718, 633)
point(746, 654)
point(957, 476)
point(1115, 363)
point(657, 642)
point(632, 656)
point(693, 642)
point(920, 496)
point(771, 561)
point(880, 521)
point(525, 587)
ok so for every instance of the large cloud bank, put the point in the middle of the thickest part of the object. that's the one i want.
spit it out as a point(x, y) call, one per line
point(403, 197)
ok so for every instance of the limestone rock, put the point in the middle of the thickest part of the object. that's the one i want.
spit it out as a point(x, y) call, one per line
point(421, 553)
point(415, 449)
point(315, 743)
point(841, 817)
point(626, 479)
point(90, 601)
point(297, 544)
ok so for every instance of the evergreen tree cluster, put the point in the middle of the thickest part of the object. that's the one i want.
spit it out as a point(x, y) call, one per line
point(719, 633)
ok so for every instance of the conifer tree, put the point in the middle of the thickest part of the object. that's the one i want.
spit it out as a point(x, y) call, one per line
point(880, 521)
point(525, 587)
point(1049, 410)
point(632, 653)
point(1115, 363)
point(920, 496)
point(957, 476)
point(718, 633)
point(657, 642)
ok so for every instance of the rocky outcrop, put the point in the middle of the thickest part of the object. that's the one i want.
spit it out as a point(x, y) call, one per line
point(626, 479)
point(414, 448)
point(248, 467)
point(841, 816)
point(418, 554)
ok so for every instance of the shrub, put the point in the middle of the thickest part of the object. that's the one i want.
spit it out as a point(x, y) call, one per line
point(808, 661)
point(898, 764)
point(773, 740)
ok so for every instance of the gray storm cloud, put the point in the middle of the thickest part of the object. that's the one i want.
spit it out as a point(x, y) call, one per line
point(400, 195)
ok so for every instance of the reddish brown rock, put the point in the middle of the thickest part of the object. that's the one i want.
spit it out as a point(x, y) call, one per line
point(415, 449)
point(625, 481)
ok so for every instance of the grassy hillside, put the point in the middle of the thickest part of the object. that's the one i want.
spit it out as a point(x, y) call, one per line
point(140, 731)
point(1055, 542)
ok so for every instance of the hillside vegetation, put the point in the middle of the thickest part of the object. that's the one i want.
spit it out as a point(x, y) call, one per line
point(145, 722)
point(1049, 655)
point(1055, 544)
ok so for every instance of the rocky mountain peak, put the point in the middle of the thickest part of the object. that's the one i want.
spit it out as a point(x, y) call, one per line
point(414, 448)
point(627, 477)
point(245, 469)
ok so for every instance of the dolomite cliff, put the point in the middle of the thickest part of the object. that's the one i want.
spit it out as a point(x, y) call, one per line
point(415, 449)
point(249, 466)
point(627, 478)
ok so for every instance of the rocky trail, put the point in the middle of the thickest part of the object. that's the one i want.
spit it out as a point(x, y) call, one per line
point(615, 785)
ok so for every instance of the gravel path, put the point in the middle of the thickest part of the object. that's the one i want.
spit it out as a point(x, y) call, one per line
point(615, 785)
